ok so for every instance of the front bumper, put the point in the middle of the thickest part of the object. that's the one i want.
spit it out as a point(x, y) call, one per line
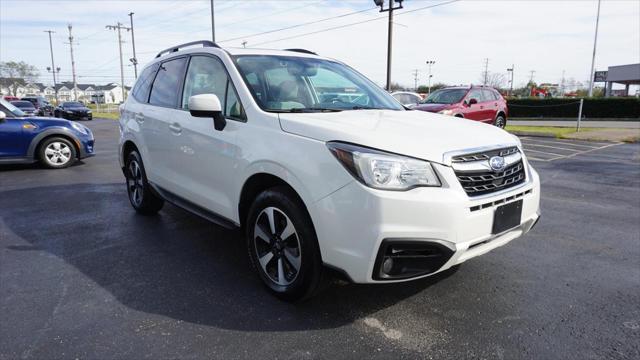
point(80, 115)
point(352, 223)
point(86, 145)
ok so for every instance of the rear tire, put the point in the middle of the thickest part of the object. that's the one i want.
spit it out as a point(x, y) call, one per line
point(141, 197)
point(282, 245)
point(57, 153)
point(500, 121)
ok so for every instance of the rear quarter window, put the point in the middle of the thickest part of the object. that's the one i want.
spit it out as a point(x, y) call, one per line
point(141, 89)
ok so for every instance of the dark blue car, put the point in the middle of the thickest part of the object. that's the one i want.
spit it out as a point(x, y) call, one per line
point(56, 143)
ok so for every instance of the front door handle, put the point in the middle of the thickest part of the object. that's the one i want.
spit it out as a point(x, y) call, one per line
point(139, 118)
point(175, 128)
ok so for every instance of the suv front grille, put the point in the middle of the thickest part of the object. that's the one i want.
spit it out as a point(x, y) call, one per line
point(477, 177)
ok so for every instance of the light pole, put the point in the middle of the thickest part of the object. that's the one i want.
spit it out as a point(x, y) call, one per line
point(213, 25)
point(134, 59)
point(429, 63)
point(511, 82)
point(55, 85)
point(593, 59)
point(52, 69)
point(390, 9)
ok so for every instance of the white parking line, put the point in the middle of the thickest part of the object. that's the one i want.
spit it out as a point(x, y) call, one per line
point(553, 147)
point(542, 152)
point(563, 143)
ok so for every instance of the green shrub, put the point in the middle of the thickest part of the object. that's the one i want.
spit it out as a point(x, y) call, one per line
point(568, 108)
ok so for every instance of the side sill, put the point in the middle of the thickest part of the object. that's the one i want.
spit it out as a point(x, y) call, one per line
point(193, 208)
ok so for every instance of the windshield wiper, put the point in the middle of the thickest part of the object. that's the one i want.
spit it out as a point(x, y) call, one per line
point(304, 110)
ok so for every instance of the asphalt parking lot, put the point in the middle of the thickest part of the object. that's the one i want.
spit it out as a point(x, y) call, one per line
point(83, 276)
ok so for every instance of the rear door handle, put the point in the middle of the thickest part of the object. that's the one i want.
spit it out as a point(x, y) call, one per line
point(139, 118)
point(175, 128)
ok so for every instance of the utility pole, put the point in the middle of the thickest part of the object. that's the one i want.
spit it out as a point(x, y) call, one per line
point(213, 25)
point(486, 71)
point(593, 59)
point(429, 63)
point(119, 27)
point(244, 44)
point(73, 66)
point(390, 9)
point(532, 73)
point(511, 82)
point(134, 59)
point(53, 66)
point(415, 79)
point(562, 84)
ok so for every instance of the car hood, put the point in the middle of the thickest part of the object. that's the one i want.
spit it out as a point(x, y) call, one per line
point(431, 107)
point(48, 121)
point(413, 133)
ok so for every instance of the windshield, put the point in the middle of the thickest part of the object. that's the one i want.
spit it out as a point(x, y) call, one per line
point(296, 84)
point(445, 96)
point(72, 104)
point(5, 105)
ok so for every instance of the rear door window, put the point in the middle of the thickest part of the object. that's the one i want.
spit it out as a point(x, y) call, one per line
point(166, 86)
point(488, 95)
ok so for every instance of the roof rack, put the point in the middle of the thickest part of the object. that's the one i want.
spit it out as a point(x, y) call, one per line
point(304, 51)
point(204, 43)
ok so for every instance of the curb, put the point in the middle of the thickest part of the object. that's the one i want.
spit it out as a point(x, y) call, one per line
point(532, 133)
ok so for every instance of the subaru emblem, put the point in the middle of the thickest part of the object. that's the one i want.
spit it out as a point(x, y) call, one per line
point(497, 163)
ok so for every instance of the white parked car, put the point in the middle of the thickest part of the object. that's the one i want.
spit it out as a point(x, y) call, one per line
point(407, 98)
point(246, 139)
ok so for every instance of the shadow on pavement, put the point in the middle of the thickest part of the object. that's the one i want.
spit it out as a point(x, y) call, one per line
point(174, 264)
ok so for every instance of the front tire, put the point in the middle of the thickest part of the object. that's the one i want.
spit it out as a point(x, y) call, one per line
point(57, 153)
point(142, 198)
point(282, 245)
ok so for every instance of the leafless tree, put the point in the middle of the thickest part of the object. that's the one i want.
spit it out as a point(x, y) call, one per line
point(15, 74)
point(494, 80)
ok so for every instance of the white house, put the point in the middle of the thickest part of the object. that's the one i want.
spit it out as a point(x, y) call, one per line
point(104, 94)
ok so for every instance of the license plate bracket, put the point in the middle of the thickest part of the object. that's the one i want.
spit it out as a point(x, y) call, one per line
point(507, 217)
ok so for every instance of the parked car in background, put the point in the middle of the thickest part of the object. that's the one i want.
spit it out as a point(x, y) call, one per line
point(406, 98)
point(55, 143)
point(10, 98)
point(26, 107)
point(478, 103)
point(243, 138)
point(73, 110)
point(43, 107)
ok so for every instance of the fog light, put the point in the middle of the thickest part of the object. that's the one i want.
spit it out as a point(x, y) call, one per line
point(407, 258)
point(387, 265)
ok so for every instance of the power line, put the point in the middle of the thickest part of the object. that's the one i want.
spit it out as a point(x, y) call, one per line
point(296, 26)
point(353, 24)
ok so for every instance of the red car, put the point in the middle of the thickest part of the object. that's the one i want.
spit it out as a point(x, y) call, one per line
point(474, 103)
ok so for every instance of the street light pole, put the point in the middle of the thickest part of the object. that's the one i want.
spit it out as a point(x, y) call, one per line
point(429, 63)
point(511, 82)
point(134, 60)
point(53, 66)
point(593, 59)
point(213, 25)
point(390, 9)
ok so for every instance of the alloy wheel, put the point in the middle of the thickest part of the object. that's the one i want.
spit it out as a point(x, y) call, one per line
point(135, 184)
point(277, 246)
point(57, 153)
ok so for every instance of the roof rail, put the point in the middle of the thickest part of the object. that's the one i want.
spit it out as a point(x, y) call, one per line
point(204, 43)
point(304, 51)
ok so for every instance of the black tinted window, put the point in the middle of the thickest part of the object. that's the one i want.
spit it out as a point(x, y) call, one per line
point(165, 89)
point(72, 104)
point(140, 90)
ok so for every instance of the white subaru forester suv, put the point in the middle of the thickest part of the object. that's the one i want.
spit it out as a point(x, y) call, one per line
point(319, 167)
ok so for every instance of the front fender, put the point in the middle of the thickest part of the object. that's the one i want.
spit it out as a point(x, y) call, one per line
point(51, 131)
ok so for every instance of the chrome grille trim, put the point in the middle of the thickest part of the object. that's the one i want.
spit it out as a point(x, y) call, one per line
point(476, 176)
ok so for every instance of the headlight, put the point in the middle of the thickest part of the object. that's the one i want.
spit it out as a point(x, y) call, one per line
point(382, 170)
point(68, 111)
point(446, 112)
point(79, 128)
point(88, 111)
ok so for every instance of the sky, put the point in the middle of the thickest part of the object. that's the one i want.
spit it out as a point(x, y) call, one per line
point(548, 36)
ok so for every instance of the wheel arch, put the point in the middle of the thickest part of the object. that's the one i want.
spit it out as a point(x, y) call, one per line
point(257, 183)
point(36, 142)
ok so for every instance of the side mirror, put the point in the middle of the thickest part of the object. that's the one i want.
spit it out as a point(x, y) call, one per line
point(2, 116)
point(473, 101)
point(208, 106)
